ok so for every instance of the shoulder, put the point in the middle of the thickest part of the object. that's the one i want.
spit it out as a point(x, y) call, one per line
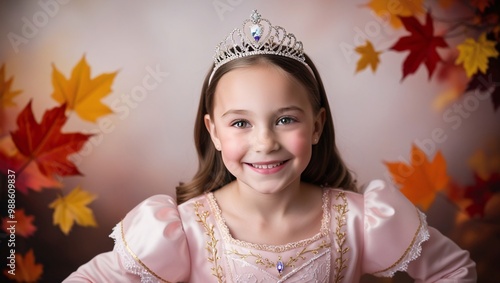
point(149, 231)
point(388, 229)
point(375, 199)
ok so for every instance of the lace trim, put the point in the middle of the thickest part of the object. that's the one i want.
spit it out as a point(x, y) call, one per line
point(226, 235)
point(412, 252)
point(271, 264)
point(293, 273)
point(308, 263)
point(130, 260)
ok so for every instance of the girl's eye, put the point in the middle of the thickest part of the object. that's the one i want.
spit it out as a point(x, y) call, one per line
point(240, 124)
point(285, 120)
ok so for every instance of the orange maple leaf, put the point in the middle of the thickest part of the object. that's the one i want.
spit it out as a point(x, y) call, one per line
point(45, 144)
point(420, 180)
point(31, 177)
point(394, 9)
point(24, 223)
point(26, 269)
point(369, 57)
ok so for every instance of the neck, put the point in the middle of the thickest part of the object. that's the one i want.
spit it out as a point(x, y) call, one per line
point(269, 205)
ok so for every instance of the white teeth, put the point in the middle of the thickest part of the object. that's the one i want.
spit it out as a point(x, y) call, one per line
point(266, 166)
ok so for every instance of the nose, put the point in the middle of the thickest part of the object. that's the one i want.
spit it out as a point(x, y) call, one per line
point(265, 141)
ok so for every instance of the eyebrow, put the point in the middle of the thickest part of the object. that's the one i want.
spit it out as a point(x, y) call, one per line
point(280, 111)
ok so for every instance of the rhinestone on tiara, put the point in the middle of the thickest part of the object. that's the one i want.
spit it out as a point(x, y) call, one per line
point(258, 36)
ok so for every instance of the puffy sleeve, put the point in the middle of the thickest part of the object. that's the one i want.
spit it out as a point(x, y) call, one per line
point(397, 238)
point(150, 246)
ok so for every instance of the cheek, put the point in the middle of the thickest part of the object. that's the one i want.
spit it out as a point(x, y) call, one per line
point(299, 144)
point(233, 149)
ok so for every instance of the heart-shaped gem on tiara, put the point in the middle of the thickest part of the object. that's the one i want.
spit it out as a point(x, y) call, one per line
point(256, 32)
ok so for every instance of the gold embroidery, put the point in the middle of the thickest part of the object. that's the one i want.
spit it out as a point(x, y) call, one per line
point(136, 258)
point(304, 251)
point(259, 259)
point(212, 243)
point(340, 236)
point(226, 235)
point(407, 249)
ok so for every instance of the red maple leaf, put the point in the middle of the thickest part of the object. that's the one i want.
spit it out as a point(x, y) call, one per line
point(45, 144)
point(31, 177)
point(480, 193)
point(422, 44)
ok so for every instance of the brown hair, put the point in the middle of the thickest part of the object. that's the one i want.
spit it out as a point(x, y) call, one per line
point(325, 168)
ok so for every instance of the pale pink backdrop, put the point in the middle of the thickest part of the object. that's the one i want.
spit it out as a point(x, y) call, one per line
point(147, 147)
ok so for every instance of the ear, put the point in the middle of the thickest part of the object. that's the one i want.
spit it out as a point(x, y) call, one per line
point(210, 125)
point(319, 122)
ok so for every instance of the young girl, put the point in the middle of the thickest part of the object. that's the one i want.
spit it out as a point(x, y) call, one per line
point(272, 200)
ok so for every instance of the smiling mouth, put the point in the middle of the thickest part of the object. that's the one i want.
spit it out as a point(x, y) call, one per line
point(267, 166)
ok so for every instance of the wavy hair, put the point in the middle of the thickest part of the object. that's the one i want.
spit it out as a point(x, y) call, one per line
point(326, 167)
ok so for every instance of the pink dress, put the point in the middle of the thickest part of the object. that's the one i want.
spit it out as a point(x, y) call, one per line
point(378, 232)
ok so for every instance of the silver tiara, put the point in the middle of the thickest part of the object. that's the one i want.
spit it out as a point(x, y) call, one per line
point(258, 36)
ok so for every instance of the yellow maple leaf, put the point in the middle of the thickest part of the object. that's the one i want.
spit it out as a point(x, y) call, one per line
point(420, 180)
point(394, 9)
point(6, 94)
point(81, 93)
point(73, 208)
point(368, 57)
point(474, 54)
point(26, 269)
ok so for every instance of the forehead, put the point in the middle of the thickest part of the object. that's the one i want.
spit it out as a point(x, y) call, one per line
point(262, 85)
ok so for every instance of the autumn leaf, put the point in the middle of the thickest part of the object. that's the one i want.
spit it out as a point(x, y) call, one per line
point(81, 93)
point(420, 180)
point(422, 44)
point(474, 54)
point(31, 177)
point(446, 3)
point(73, 208)
point(480, 193)
point(27, 270)
point(394, 9)
point(24, 224)
point(489, 81)
point(481, 5)
point(45, 144)
point(454, 79)
point(6, 94)
point(486, 162)
point(368, 57)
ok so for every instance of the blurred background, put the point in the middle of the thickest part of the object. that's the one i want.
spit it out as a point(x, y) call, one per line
point(162, 50)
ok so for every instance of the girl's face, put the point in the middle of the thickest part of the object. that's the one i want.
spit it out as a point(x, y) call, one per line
point(264, 125)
